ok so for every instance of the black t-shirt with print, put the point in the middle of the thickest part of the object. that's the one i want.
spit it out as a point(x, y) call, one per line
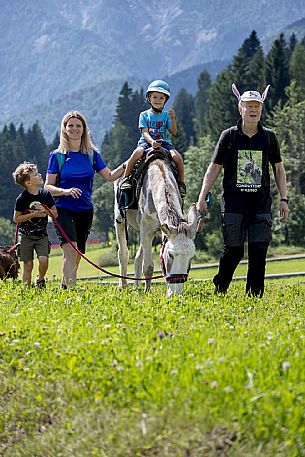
point(245, 160)
point(38, 225)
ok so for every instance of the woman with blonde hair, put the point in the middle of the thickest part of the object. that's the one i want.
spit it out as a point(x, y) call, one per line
point(69, 179)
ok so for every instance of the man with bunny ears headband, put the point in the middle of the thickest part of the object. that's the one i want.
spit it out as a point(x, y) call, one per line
point(244, 152)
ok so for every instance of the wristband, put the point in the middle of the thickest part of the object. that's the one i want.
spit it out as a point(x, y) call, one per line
point(285, 200)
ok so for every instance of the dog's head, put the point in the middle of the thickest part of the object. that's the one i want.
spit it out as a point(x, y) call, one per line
point(9, 264)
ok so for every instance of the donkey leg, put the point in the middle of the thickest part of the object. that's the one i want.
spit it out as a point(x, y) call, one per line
point(123, 253)
point(148, 264)
point(138, 261)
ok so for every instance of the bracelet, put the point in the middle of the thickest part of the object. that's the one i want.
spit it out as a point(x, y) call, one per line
point(285, 200)
point(124, 165)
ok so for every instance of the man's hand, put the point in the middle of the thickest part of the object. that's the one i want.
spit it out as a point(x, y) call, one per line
point(284, 211)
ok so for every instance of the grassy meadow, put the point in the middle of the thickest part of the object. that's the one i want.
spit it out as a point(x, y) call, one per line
point(99, 371)
point(106, 258)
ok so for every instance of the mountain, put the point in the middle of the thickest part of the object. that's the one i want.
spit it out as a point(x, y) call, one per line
point(58, 49)
point(298, 28)
point(98, 102)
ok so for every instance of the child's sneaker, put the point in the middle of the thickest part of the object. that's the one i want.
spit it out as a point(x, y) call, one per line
point(182, 188)
point(125, 184)
point(40, 283)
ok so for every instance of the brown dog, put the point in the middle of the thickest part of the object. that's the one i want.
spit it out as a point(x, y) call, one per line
point(9, 265)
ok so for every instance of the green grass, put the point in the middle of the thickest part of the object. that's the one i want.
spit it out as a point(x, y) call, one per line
point(103, 256)
point(98, 371)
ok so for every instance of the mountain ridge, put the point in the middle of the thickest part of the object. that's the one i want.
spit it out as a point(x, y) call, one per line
point(49, 51)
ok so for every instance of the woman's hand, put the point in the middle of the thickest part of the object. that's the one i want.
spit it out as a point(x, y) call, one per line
point(74, 192)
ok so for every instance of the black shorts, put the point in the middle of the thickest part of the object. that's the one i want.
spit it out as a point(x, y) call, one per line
point(76, 226)
point(237, 228)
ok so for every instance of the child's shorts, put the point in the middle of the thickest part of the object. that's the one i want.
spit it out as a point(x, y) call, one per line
point(29, 244)
point(164, 145)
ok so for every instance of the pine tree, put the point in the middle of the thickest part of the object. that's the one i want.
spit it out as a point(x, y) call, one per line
point(122, 139)
point(277, 73)
point(36, 147)
point(200, 103)
point(248, 65)
point(297, 67)
point(247, 72)
point(55, 143)
point(123, 104)
point(184, 107)
point(221, 107)
point(292, 44)
point(12, 153)
point(288, 121)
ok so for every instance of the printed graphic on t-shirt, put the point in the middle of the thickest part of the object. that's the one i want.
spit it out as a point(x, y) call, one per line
point(249, 170)
point(156, 129)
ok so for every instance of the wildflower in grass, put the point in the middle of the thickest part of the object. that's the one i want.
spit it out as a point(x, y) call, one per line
point(160, 334)
point(228, 389)
point(36, 344)
point(107, 327)
point(285, 366)
point(211, 341)
point(213, 384)
point(115, 363)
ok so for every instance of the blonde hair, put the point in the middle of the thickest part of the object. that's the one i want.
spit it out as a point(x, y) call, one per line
point(23, 172)
point(86, 145)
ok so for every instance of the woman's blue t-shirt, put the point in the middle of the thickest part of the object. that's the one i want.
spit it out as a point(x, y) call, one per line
point(77, 171)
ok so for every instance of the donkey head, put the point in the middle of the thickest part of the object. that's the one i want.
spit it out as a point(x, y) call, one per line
point(177, 251)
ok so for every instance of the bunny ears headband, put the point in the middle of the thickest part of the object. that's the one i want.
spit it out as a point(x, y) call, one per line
point(250, 95)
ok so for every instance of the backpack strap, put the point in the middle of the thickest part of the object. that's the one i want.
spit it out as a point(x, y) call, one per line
point(91, 158)
point(61, 158)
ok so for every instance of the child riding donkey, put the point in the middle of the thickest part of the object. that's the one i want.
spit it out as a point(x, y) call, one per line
point(154, 124)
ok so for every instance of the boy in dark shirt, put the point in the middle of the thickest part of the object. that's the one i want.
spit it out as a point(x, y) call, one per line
point(32, 219)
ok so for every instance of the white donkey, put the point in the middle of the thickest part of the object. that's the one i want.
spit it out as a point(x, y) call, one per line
point(159, 208)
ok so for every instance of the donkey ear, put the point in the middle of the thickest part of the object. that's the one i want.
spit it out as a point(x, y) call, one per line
point(192, 214)
point(264, 94)
point(169, 229)
point(192, 220)
point(235, 91)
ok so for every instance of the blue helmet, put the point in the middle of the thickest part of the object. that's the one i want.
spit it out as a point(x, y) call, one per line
point(159, 86)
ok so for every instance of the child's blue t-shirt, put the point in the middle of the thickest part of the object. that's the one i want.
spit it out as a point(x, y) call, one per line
point(77, 171)
point(157, 124)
